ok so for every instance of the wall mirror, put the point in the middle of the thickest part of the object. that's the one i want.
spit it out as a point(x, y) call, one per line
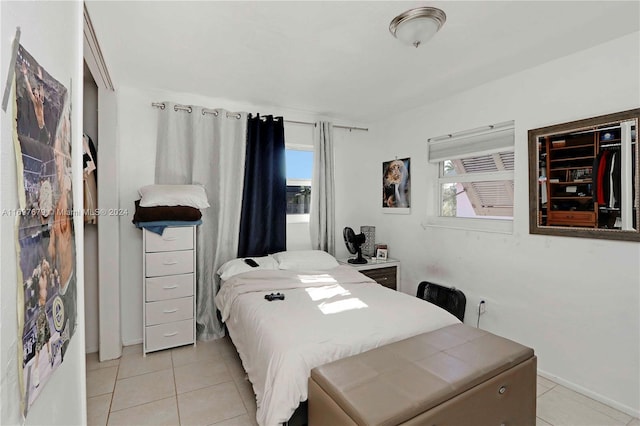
point(584, 179)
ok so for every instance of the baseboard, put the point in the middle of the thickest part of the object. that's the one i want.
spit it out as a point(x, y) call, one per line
point(92, 349)
point(132, 342)
point(593, 395)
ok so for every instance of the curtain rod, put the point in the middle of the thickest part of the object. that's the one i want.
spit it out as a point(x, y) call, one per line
point(490, 128)
point(188, 108)
point(308, 123)
point(238, 116)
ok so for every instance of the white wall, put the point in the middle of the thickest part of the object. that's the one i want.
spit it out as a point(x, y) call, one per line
point(574, 300)
point(51, 32)
point(137, 128)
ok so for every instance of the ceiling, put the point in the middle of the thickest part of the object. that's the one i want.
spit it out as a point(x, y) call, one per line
point(338, 59)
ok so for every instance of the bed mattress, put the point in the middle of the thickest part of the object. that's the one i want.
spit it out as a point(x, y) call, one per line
point(326, 316)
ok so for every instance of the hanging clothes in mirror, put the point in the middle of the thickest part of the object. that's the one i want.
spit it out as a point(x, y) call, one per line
point(89, 177)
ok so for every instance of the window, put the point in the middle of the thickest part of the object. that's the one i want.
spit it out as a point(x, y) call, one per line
point(475, 179)
point(469, 189)
point(299, 165)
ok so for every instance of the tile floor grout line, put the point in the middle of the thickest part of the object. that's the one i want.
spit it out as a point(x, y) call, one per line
point(597, 403)
point(538, 396)
point(235, 383)
point(581, 403)
point(113, 392)
point(140, 375)
point(538, 417)
point(226, 420)
point(543, 419)
point(596, 406)
point(175, 387)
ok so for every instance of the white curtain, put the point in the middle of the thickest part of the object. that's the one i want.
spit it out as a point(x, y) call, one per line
point(322, 212)
point(206, 149)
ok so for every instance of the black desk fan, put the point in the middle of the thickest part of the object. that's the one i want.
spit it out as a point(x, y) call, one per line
point(354, 243)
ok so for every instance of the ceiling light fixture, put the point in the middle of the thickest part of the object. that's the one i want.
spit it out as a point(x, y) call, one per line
point(416, 26)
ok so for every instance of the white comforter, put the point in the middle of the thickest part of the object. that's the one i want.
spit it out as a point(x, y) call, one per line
point(325, 316)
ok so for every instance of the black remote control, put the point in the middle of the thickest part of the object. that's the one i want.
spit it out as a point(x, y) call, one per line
point(251, 263)
point(277, 296)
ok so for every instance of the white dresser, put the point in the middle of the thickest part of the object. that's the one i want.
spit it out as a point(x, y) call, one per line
point(169, 272)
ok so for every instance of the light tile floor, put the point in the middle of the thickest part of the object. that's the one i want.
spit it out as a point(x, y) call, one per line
point(206, 385)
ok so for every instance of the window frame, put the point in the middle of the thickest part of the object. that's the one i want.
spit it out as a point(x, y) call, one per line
point(299, 217)
point(490, 224)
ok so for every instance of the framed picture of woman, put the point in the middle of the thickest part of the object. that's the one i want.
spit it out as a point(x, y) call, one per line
point(396, 186)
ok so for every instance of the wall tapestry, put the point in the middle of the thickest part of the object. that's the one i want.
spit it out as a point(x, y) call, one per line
point(45, 246)
point(396, 186)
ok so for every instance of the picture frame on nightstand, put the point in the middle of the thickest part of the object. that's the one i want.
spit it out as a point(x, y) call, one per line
point(381, 254)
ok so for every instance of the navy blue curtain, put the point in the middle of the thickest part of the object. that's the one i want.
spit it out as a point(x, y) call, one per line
point(263, 221)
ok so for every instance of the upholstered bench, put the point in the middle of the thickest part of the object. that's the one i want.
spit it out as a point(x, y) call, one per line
point(457, 375)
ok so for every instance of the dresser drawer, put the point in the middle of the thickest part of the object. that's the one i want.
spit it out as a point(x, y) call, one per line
point(176, 238)
point(384, 276)
point(169, 263)
point(571, 218)
point(168, 310)
point(169, 287)
point(168, 335)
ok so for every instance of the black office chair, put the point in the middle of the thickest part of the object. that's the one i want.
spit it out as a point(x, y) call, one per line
point(448, 298)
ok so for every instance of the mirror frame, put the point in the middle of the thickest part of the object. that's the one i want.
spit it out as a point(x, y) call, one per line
point(567, 231)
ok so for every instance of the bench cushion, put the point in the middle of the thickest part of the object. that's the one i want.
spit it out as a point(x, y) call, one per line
point(397, 382)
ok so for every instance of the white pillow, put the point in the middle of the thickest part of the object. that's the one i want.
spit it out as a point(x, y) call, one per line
point(238, 266)
point(173, 195)
point(305, 260)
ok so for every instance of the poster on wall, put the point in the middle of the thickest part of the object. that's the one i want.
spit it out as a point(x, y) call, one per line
point(46, 250)
point(396, 186)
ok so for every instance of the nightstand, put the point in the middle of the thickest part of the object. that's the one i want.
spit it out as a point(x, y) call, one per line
point(384, 272)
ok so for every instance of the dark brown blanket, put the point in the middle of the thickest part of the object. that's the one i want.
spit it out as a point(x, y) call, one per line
point(160, 213)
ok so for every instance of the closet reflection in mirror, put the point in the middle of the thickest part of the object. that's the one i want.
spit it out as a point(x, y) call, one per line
point(584, 180)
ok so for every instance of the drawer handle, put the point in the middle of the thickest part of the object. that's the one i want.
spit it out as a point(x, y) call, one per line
point(170, 262)
point(170, 334)
point(169, 287)
point(502, 390)
point(169, 239)
point(170, 311)
point(383, 278)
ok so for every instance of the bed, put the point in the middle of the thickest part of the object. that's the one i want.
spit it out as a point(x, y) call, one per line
point(328, 313)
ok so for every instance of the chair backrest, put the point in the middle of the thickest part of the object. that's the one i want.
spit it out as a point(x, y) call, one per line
point(448, 298)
